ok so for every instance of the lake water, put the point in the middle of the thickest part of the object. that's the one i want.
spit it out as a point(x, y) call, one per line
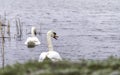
point(87, 29)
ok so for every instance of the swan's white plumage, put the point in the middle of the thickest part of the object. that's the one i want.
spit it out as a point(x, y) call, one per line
point(42, 56)
point(33, 37)
point(51, 54)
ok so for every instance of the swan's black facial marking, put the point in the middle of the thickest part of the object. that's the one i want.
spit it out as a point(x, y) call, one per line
point(55, 35)
point(35, 32)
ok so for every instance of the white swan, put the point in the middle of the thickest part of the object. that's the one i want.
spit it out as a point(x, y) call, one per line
point(33, 39)
point(51, 54)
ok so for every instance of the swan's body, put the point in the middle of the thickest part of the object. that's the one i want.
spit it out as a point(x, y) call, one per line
point(33, 38)
point(51, 54)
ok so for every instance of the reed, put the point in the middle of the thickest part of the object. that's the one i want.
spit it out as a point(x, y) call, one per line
point(8, 28)
point(19, 28)
point(3, 40)
point(2, 31)
point(3, 55)
point(1, 27)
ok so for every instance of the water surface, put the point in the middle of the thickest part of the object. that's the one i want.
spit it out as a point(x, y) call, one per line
point(87, 29)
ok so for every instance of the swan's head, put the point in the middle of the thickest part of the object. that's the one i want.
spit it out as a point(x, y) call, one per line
point(33, 31)
point(52, 34)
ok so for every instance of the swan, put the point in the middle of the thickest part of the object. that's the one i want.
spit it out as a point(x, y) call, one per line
point(33, 40)
point(51, 54)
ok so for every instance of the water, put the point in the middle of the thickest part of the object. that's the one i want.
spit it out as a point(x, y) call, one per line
point(87, 29)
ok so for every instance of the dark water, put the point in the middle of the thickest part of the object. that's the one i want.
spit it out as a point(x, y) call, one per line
point(87, 29)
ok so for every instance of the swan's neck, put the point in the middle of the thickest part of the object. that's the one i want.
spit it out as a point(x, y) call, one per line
point(32, 33)
point(50, 46)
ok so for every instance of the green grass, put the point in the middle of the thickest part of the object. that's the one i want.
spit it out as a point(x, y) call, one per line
point(109, 66)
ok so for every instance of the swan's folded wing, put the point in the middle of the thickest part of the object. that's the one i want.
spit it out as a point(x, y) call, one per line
point(28, 39)
point(36, 40)
point(54, 56)
point(42, 56)
point(32, 39)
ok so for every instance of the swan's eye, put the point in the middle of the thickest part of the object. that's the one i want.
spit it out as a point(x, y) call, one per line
point(54, 33)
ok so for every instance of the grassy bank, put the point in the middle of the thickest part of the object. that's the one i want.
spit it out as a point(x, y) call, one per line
point(110, 66)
